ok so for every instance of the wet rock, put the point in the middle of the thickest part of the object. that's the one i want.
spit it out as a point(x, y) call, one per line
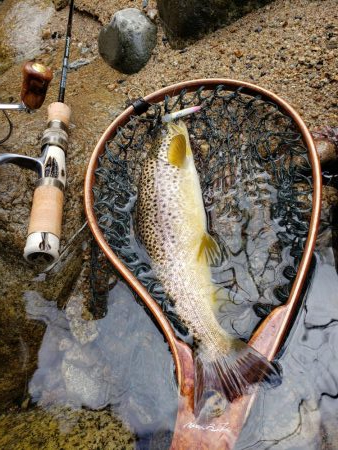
point(60, 4)
point(19, 338)
point(326, 141)
point(82, 356)
point(127, 42)
point(114, 368)
point(329, 206)
point(22, 28)
point(24, 315)
point(6, 54)
point(185, 19)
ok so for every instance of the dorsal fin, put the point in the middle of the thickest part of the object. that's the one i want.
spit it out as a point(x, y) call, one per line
point(177, 150)
point(210, 250)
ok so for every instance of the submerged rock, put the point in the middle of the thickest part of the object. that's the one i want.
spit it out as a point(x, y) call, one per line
point(127, 42)
point(84, 387)
point(189, 19)
point(303, 195)
point(112, 370)
point(84, 331)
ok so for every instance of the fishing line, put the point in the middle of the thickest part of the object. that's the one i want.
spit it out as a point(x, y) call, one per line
point(64, 71)
point(10, 128)
point(65, 249)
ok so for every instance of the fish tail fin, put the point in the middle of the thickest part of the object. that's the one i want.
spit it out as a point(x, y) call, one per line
point(227, 376)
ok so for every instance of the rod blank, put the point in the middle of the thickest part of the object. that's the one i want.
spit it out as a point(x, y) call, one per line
point(66, 54)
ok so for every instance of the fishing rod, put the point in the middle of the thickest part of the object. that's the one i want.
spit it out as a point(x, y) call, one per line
point(44, 231)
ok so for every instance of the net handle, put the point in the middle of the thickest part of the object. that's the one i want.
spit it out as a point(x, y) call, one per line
point(271, 333)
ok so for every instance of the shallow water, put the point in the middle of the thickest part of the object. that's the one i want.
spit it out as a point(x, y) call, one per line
point(301, 412)
point(105, 363)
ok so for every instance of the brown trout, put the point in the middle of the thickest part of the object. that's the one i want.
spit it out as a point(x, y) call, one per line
point(172, 225)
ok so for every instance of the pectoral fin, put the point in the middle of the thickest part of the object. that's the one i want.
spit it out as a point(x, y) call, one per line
point(177, 150)
point(181, 128)
point(186, 134)
point(210, 250)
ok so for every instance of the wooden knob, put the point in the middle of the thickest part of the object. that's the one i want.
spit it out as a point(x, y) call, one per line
point(36, 79)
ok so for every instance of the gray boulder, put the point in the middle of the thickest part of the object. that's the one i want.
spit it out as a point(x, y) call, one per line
point(127, 42)
point(189, 19)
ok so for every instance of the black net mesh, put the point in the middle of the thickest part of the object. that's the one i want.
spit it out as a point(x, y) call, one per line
point(257, 187)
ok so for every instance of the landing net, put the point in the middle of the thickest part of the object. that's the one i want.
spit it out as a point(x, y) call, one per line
point(257, 188)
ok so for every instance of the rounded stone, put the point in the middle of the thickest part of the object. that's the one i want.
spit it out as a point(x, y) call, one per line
point(326, 150)
point(127, 41)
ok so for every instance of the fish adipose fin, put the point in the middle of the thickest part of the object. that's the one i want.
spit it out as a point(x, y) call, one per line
point(230, 375)
point(177, 150)
point(210, 250)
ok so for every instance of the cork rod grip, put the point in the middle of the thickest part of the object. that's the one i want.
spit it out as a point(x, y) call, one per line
point(46, 213)
point(59, 111)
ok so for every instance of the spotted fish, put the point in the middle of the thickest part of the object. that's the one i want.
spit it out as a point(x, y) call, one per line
point(172, 225)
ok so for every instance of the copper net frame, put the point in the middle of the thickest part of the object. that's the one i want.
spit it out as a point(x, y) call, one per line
point(270, 335)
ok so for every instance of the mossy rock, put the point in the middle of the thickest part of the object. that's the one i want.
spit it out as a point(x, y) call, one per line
point(63, 428)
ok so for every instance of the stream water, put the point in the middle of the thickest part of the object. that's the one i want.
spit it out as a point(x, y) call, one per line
point(301, 413)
